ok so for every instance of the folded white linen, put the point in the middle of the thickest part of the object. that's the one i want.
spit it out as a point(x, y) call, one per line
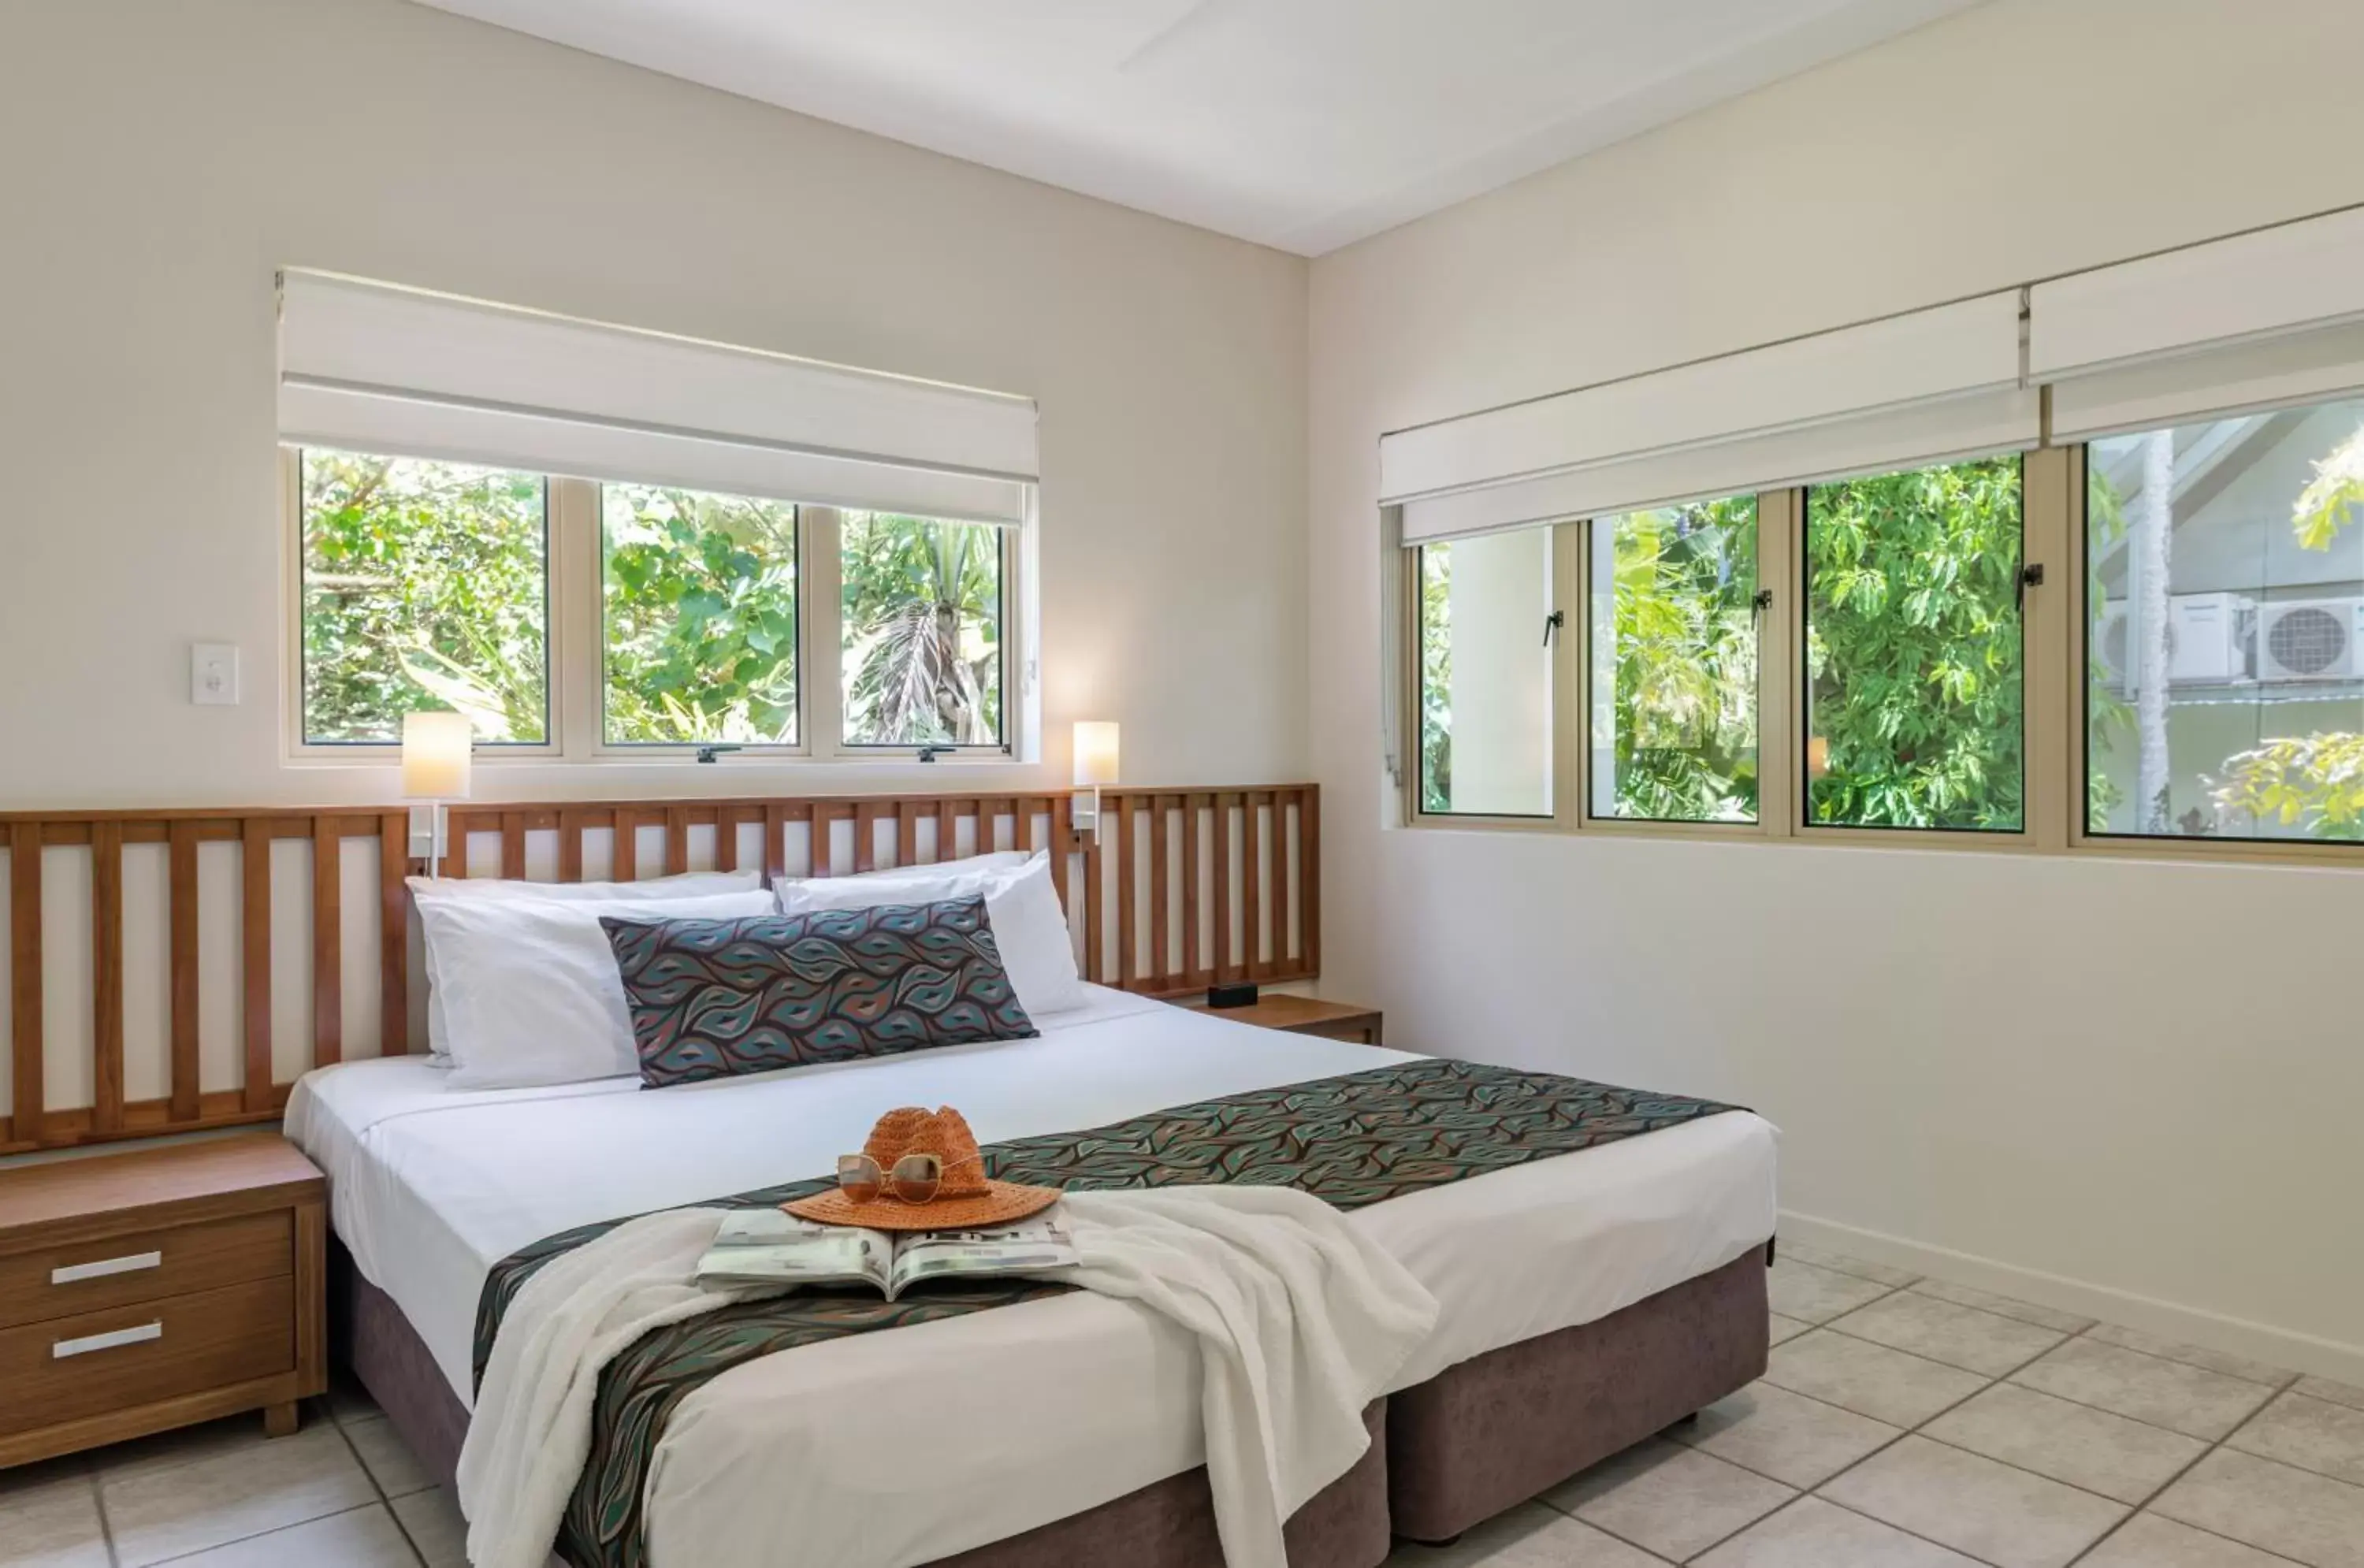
point(1301, 1322)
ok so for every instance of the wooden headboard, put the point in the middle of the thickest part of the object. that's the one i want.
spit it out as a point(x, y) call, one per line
point(175, 970)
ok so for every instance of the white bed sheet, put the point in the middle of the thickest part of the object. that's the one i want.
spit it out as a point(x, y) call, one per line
point(1019, 1416)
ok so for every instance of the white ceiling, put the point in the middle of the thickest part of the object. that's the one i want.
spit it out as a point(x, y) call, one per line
point(1301, 124)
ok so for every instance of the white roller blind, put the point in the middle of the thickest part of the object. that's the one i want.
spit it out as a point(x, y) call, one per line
point(2258, 320)
point(1932, 384)
point(379, 368)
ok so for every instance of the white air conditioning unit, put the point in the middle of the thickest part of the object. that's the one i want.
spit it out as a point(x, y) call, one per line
point(2311, 639)
point(2206, 640)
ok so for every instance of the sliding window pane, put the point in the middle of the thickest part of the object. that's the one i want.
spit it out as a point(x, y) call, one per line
point(1913, 681)
point(1485, 675)
point(1674, 663)
point(425, 586)
point(921, 628)
point(699, 597)
point(2225, 627)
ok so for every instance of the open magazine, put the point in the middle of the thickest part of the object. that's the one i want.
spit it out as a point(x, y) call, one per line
point(766, 1246)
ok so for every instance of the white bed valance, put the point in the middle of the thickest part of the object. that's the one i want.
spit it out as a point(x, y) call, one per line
point(1913, 388)
point(2273, 317)
point(380, 368)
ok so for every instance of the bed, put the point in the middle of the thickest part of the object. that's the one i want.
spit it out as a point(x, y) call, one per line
point(1587, 1300)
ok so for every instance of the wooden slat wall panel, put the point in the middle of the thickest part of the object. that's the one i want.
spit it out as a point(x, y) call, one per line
point(394, 932)
point(328, 941)
point(1150, 838)
point(107, 975)
point(181, 894)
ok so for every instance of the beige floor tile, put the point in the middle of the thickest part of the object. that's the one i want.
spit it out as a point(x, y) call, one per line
point(1787, 1436)
point(226, 1497)
point(1529, 1536)
point(2085, 1447)
point(1668, 1499)
point(51, 1521)
point(2194, 1355)
point(1840, 1262)
point(2313, 1434)
point(2147, 1541)
point(1800, 1290)
point(348, 1401)
point(1786, 1328)
point(1992, 1511)
point(2337, 1393)
point(388, 1458)
point(2025, 1311)
point(1966, 1337)
point(2308, 1517)
point(363, 1538)
point(1871, 1380)
point(436, 1528)
point(1811, 1533)
point(2187, 1399)
point(185, 1445)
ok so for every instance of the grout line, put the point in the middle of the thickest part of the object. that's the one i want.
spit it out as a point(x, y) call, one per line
point(275, 1530)
point(384, 1502)
point(106, 1529)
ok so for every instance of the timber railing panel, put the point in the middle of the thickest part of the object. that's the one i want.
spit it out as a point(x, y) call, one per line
point(174, 969)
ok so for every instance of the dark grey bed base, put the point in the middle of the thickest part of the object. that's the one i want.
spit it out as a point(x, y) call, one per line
point(1478, 1437)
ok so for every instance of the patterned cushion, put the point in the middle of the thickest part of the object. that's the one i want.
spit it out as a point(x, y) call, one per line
point(712, 998)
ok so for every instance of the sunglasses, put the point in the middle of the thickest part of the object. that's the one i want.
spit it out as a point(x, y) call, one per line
point(913, 1179)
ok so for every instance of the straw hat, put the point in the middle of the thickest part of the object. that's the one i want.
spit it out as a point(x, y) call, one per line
point(965, 1200)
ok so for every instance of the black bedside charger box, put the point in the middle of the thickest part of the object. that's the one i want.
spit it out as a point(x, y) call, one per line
point(1231, 996)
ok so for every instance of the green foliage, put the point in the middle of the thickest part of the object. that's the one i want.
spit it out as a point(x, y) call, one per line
point(1685, 662)
point(422, 589)
point(700, 603)
point(1913, 647)
point(1436, 677)
point(2108, 717)
point(2330, 503)
point(922, 620)
point(2315, 786)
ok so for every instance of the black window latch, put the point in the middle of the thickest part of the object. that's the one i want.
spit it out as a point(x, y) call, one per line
point(1552, 623)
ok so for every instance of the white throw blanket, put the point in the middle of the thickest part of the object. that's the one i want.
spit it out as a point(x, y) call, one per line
point(1301, 1321)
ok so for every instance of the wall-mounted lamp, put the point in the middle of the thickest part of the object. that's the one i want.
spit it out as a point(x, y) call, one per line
point(1096, 745)
point(437, 756)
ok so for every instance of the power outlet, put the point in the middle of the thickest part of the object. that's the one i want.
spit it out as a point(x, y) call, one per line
point(213, 674)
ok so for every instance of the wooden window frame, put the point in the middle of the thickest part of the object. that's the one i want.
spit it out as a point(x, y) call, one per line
point(574, 634)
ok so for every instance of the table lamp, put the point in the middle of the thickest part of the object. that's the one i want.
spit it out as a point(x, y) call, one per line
point(1096, 745)
point(438, 750)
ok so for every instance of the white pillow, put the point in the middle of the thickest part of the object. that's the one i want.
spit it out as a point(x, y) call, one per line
point(689, 885)
point(529, 988)
point(1028, 925)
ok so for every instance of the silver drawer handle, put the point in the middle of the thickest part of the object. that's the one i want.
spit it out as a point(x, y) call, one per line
point(106, 1341)
point(106, 1266)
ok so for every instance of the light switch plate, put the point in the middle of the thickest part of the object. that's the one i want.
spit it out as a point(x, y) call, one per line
point(213, 674)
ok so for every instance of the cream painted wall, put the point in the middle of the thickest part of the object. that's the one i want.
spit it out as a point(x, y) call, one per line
point(2132, 1086)
point(159, 158)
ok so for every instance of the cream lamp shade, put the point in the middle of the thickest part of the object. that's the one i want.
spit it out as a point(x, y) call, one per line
point(437, 752)
point(1096, 745)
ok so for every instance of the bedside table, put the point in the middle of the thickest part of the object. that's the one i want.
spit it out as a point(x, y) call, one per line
point(159, 1288)
point(1307, 1015)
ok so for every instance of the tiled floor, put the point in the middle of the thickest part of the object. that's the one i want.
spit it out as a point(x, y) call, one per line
point(1916, 1424)
point(1903, 1424)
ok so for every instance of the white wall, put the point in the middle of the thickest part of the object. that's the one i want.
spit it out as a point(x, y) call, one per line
point(2131, 1084)
point(159, 158)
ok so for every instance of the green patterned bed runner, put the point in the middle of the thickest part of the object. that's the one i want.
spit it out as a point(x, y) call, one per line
point(1351, 1141)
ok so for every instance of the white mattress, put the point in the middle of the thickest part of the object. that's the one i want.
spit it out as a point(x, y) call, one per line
point(1043, 1409)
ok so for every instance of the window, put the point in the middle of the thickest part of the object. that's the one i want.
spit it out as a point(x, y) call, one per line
point(424, 585)
point(2224, 581)
point(1913, 685)
point(1674, 663)
point(574, 618)
point(920, 629)
point(699, 597)
point(1487, 635)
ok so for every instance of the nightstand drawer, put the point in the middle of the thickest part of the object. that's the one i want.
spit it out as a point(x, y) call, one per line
point(124, 1357)
point(89, 1277)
